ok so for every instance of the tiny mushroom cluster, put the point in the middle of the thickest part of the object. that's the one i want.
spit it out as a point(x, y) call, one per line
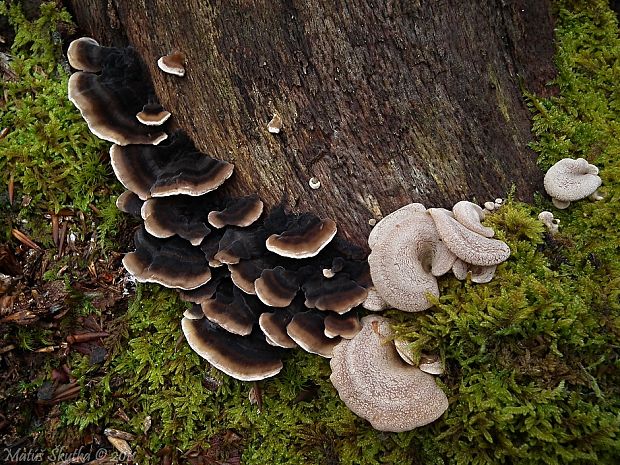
point(259, 282)
point(570, 180)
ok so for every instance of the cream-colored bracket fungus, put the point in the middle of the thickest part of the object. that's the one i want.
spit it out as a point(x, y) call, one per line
point(407, 255)
point(569, 180)
point(376, 384)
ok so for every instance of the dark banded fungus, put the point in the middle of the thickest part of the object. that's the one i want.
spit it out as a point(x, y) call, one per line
point(277, 287)
point(85, 54)
point(238, 212)
point(246, 358)
point(173, 63)
point(108, 112)
point(182, 215)
point(305, 239)
point(170, 169)
point(233, 310)
point(153, 114)
point(170, 262)
point(308, 330)
point(130, 203)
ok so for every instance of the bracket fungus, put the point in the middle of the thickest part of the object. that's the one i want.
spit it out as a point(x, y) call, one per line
point(85, 54)
point(345, 326)
point(570, 180)
point(170, 262)
point(273, 325)
point(181, 215)
point(170, 169)
point(246, 358)
point(413, 246)
point(173, 63)
point(153, 114)
point(376, 384)
point(109, 113)
point(306, 239)
point(246, 313)
point(238, 212)
point(307, 329)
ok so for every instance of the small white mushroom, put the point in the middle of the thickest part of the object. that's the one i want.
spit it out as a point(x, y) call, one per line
point(490, 206)
point(314, 183)
point(549, 221)
point(482, 274)
point(328, 273)
point(569, 180)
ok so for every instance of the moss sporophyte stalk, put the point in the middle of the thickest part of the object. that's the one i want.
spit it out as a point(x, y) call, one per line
point(531, 358)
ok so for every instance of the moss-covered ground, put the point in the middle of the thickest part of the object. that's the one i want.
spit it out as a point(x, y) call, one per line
point(532, 358)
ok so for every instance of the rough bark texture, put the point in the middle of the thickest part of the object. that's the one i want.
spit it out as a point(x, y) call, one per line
point(384, 102)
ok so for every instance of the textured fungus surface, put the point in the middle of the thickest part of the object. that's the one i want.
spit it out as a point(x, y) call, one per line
point(378, 385)
point(400, 262)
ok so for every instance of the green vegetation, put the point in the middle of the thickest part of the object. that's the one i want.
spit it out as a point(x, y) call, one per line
point(48, 151)
point(533, 366)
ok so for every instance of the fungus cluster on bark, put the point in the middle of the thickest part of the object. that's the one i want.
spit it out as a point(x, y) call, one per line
point(257, 280)
point(413, 246)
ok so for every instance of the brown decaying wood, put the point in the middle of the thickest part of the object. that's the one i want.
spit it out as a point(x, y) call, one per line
point(384, 102)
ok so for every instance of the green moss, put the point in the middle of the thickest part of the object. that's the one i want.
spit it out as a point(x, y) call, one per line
point(532, 357)
point(48, 150)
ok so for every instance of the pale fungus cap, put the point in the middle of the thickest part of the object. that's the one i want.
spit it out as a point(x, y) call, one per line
point(393, 218)
point(460, 269)
point(430, 364)
point(551, 223)
point(482, 274)
point(374, 302)
point(470, 215)
point(376, 384)
point(469, 246)
point(569, 180)
point(401, 260)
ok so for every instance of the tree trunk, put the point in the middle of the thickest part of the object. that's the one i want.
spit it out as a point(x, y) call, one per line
point(384, 102)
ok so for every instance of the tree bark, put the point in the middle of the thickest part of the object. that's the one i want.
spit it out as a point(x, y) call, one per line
point(384, 102)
